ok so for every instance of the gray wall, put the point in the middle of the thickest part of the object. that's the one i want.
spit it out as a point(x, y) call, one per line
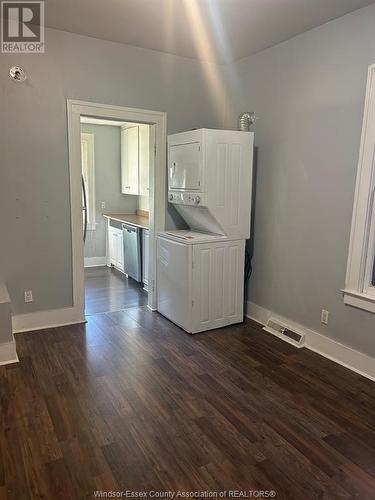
point(35, 247)
point(107, 147)
point(309, 95)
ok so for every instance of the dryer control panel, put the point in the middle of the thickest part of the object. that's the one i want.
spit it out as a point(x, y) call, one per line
point(191, 199)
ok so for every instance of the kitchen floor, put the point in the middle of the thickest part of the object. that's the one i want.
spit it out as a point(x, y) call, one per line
point(108, 290)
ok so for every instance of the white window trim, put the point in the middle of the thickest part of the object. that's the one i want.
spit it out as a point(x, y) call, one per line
point(91, 213)
point(358, 290)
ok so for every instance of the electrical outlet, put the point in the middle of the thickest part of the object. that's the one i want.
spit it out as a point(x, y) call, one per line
point(28, 294)
point(324, 317)
point(103, 204)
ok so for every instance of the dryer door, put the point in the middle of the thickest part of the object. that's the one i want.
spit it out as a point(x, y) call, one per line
point(185, 167)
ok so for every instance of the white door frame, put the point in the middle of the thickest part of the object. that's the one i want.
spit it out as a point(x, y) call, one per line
point(75, 109)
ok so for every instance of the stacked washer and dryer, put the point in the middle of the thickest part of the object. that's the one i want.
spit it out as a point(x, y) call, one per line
point(200, 270)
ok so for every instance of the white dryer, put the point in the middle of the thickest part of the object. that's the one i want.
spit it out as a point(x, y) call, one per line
point(201, 271)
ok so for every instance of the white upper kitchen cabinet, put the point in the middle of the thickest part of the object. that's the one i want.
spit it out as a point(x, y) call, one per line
point(130, 160)
point(144, 159)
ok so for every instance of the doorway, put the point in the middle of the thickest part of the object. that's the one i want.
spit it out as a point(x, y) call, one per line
point(115, 160)
point(106, 269)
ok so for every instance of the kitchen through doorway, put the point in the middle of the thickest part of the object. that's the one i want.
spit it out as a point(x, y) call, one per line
point(157, 193)
point(115, 161)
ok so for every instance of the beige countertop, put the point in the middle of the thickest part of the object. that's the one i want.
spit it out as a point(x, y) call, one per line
point(132, 219)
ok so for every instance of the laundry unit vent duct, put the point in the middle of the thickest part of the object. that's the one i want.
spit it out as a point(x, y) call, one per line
point(245, 120)
point(289, 334)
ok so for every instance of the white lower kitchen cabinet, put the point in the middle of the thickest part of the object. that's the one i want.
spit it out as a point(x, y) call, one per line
point(145, 254)
point(116, 248)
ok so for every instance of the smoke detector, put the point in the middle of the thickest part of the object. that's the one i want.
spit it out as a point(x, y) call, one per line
point(17, 74)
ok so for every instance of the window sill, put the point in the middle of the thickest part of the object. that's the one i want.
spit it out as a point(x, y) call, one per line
point(359, 300)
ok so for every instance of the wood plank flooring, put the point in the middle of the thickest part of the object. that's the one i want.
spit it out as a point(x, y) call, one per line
point(109, 290)
point(130, 402)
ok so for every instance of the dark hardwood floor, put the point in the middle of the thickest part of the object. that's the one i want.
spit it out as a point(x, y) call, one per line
point(130, 402)
point(109, 290)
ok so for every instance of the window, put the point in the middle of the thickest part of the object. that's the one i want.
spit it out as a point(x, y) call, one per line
point(360, 276)
point(88, 176)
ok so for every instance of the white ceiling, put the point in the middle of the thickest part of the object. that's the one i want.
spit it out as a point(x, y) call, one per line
point(212, 30)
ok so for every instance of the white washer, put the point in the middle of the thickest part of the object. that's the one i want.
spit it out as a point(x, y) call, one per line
point(200, 280)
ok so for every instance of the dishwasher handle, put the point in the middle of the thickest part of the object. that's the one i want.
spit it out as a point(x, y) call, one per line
point(128, 228)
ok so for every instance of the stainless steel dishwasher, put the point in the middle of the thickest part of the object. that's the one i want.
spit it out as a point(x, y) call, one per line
point(132, 251)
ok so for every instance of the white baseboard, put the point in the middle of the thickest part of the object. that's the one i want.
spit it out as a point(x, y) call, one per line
point(95, 261)
point(8, 353)
point(41, 320)
point(331, 349)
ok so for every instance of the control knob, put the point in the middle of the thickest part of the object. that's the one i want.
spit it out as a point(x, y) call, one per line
point(197, 200)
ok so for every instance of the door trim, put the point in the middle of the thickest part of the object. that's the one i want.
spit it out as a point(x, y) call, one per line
point(76, 108)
